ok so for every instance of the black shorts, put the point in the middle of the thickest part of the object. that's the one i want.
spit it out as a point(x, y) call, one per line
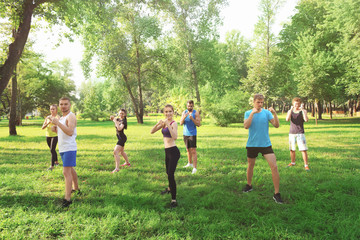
point(190, 141)
point(121, 140)
point(252, 152)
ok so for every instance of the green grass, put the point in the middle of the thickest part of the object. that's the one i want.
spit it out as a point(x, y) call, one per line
point(320, 204)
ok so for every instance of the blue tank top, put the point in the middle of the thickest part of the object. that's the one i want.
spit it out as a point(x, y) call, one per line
point(189, 126)
point(166, 132)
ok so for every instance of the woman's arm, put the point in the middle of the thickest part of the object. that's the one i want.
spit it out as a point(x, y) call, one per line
point(172, 129)
point(46, 123)
point(157, 127)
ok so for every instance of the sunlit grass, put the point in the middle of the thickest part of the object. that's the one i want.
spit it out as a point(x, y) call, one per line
point(320, 204)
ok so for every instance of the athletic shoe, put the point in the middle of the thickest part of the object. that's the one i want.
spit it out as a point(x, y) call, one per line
point(125, 164)
point(173, 204)
point(290, 165)
point(277, 198)
point(49, 169)
point(56, 163)
point(307, 168)
point(66, 203)
point(194, 171)
point(115, 171)
point(247, 188)
point(165, 191)
point(188, 165)
point(77, 192)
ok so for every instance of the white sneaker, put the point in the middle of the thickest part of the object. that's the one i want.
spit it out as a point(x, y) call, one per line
point(194, 171)
point(188, 165)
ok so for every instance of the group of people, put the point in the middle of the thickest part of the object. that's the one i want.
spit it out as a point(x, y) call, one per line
point(256, 120)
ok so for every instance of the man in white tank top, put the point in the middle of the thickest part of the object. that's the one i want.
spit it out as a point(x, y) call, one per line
point(66, 127)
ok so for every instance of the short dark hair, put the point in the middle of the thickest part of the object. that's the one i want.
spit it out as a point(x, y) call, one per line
point(65, 98)
point(258, 96)
point(190, 101)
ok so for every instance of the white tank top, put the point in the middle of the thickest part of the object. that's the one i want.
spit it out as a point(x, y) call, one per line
point(66, 143)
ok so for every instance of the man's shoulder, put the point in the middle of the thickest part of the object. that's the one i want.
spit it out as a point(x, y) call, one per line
point(248, 111)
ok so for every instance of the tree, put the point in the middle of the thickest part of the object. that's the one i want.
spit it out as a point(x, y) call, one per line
point(261, 64)
point(20, 13)
point(195, 22)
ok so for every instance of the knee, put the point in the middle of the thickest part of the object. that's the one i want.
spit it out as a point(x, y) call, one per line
point(274, 168)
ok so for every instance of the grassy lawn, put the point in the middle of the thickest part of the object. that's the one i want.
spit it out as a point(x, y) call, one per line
point(320, 204)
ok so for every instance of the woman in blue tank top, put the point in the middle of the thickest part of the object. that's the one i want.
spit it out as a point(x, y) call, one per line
point(172, 154)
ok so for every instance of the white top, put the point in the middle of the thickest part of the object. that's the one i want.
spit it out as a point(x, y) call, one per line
point(66, 143)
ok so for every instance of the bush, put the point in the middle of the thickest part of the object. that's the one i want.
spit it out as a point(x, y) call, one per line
point(230, 108)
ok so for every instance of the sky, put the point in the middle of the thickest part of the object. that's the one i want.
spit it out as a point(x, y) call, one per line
point(241, 15)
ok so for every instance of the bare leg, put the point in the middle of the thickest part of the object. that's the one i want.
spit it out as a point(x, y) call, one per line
point(189, 155)
point(292, 156)
point(124, 155)
point(250, 170)
point(68, 182)
point(193, 156)
point(271, 159)
point(74, 179)
point(305, 157)
point(117, 157)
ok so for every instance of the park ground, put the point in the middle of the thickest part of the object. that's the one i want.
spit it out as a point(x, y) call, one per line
point(320, 204)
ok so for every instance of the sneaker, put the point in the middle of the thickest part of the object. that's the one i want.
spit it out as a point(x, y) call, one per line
point(66, 203)
point(50, 169)
point(247, 188)
point(277, 198)
point(290, 165)
point(125, 164)
point(173, 204)
point(188, 165)
point(165, 191)
point(77, 192)
point(56, 163)
point(194, 171)
point(307, 168)
point(115, 170)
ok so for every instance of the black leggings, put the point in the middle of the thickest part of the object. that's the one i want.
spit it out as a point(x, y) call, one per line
point(172, 156)
point(52, 142)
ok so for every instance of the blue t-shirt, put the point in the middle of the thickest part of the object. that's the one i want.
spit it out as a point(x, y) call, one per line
point(189, 126)
point(259, 129)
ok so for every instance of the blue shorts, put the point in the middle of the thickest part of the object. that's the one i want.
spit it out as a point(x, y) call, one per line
point(68, 158)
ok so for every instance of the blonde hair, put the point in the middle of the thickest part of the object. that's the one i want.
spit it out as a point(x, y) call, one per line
point(296, 99)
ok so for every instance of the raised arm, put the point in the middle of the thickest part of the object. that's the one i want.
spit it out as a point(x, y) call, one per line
point(197, 119)
point(69, 126)
point(172, 129)
point(46, 122)
point(248, 121)
point(183, 116)
point(157, 127)
point(305, 116)
point(119, 126)
point(288, 116)
point(275, 121)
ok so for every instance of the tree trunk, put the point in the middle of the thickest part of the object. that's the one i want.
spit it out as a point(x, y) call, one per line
point(354, 107)
point(315, 108)
point(320, 109)
point(139, 117)
point(312, 107)
point(194, 77)
point(12, 121)
point(350, 108)
point(17, 46)
point(283, 108)
point(330, 110)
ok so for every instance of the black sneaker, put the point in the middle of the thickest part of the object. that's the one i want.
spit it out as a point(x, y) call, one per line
point(247, 188)
point(277, 198)
point(165, 191)
point(66, 203)
point(76, 192)
point(173, 204)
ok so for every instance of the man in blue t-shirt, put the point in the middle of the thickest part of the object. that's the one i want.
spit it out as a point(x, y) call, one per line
point(257, 121)
point(190, 119)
